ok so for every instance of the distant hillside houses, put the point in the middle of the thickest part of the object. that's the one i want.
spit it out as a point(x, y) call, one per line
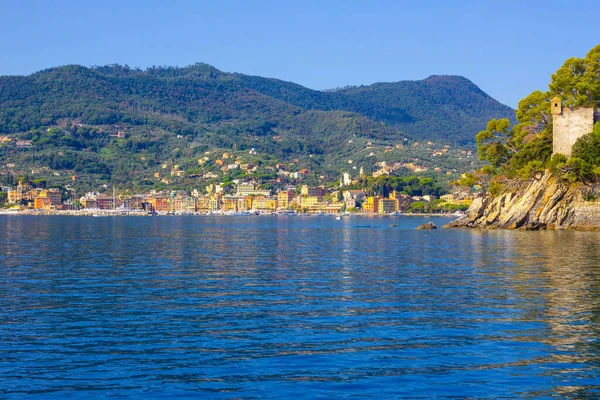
point(231, 197)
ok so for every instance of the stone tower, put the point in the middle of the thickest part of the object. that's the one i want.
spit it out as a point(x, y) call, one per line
point(570, 124)
point(556, 106)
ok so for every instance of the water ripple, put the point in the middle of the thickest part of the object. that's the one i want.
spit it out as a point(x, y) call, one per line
point(272, 307)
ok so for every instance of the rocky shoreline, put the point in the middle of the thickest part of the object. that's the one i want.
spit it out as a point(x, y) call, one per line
point(539, 204)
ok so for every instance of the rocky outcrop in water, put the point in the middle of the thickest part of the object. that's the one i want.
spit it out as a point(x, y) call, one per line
point(429, 225)
point(540, 204)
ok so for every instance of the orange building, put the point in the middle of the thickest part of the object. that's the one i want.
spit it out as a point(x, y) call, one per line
point(47, 199)
point(42, 203)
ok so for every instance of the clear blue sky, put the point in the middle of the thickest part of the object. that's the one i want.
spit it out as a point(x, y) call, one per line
point(509, 48)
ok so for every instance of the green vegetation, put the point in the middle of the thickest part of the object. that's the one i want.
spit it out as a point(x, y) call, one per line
point(442, 108)
point(385, 185)
point(577, 82)
point(196, 99)
point(67, 121)
point(524, 150)
point(584, 165)
point(436, 206)
point(587, 147)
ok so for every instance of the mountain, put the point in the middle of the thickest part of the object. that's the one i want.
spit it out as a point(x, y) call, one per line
point(446, 108)
point(172, 117)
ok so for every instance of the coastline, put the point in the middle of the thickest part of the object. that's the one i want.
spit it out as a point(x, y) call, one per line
point(141, 213)
point(543, 204)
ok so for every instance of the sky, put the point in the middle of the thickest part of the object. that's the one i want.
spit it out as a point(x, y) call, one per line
point(508, 48)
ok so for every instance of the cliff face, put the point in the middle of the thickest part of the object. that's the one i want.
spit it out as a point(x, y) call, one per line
point(541, 204)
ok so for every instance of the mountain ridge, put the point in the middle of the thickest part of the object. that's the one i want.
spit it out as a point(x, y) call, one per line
point(460, 116)
point(173, 116)
point(440, 107)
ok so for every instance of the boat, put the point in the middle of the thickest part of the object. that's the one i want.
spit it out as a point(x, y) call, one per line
point(338, 217)
point(10, 211)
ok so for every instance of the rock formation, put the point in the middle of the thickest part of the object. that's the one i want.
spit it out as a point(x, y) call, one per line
point(539, 204)
point(429, 225)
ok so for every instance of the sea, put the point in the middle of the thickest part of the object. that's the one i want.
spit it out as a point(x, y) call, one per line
point(294, 307)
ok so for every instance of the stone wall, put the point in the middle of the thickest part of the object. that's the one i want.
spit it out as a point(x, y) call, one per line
point(570, 125)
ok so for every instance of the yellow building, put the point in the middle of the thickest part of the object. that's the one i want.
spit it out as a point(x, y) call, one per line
point(203, 204)
point(465, 201)
point(230, 204)
point(371, 205)
point(460, 201)
point(309, 201)
point(448, 198)
point(387, 206)
point(14, 196)
point(284, 199)
point(245, 203)
point(263, 203)
point(215, 204)
point(245, 189)
point(271, 204)
point(331, 208)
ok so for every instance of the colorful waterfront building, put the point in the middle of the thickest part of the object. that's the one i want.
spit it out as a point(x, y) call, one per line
point(371, 205)
point(310, 201)
point(47, 199)
point(284, 199)
point(387, 206)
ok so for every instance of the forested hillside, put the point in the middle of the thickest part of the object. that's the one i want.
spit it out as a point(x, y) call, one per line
point(447, 108)
point(439, 108)
point(70, 118)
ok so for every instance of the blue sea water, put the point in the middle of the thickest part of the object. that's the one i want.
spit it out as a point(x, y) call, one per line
point(294, 307)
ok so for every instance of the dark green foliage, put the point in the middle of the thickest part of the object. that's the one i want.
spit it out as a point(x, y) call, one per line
point(577, 82)
point(450, 208)
point(448, 108)
point(587, 147)
point(445, 108)
point(576, 169)
point(494, 143)
point(436, 206)
point(538, 150)
point(412, 185)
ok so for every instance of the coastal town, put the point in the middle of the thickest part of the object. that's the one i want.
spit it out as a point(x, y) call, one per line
point(237, 198)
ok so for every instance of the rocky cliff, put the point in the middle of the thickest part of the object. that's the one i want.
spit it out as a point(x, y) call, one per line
point(540, 204)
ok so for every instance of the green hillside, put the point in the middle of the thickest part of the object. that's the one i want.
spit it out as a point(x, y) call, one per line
point(439, 108)
point(172, 117)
